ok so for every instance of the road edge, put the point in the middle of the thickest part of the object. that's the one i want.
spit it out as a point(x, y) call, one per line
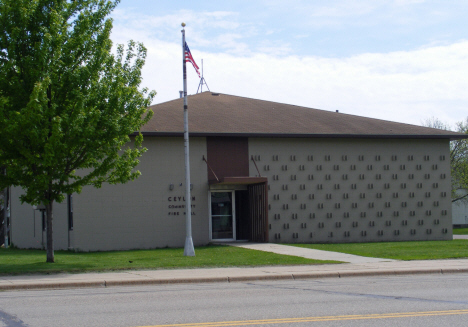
point(226, 279)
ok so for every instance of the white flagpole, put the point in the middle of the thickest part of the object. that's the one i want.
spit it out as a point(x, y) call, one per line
point(188, 249)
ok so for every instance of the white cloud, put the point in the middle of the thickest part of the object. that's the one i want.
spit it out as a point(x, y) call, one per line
point(344, 9)
point(408, 2)
point(400, 86)
point(167, 26)
point(406, 86)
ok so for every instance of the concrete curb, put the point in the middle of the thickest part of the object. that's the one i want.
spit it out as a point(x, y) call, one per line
point(166, 281)
point(52, 285)
point(233, 279)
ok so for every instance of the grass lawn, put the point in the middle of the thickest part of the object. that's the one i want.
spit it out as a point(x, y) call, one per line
point(460, 231)
point(425, 250)
point(14, 261)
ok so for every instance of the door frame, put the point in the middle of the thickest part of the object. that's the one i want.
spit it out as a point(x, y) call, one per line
point(233, 205)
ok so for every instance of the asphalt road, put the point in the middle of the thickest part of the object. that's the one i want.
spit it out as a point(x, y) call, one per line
point(420, 300)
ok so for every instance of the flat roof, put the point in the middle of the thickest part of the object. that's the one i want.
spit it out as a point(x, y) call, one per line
point(218, 114)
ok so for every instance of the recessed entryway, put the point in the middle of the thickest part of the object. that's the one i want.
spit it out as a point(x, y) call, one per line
point(222, 213)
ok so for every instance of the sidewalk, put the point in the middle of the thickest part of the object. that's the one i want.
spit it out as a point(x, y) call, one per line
point(308, 253)
point(360, 266)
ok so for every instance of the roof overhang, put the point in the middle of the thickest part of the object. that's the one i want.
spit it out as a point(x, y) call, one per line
point(239, 181)
point(311, 136)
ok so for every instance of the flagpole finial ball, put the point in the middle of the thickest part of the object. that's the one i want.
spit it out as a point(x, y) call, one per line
point(183, 24)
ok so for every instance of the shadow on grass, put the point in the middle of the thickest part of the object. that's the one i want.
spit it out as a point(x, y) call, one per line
point(42, 268)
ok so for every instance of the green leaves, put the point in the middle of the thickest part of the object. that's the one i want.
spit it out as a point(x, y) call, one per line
point(458, 158)
point(67, 103)
point(459, 164)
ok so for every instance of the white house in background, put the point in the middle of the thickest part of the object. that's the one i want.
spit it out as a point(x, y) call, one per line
point(460, 212)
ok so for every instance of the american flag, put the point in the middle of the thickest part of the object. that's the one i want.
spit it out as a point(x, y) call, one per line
point(189, 58)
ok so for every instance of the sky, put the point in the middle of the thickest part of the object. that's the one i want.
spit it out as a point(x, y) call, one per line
point(398, 60)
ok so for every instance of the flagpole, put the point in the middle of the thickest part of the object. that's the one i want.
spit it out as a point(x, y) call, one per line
point(188, 249)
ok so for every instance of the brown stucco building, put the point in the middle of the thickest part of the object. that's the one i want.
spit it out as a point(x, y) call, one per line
point(266, 172)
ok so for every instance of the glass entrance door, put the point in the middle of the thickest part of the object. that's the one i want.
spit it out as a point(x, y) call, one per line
point(222, 216)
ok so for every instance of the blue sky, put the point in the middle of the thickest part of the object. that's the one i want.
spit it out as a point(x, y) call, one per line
point(400, 60)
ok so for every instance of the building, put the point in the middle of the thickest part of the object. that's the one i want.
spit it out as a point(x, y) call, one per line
point(265, 172)
point(460, 211)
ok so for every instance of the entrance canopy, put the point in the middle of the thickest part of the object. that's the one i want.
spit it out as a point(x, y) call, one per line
point(239, 181)
point(250, 218)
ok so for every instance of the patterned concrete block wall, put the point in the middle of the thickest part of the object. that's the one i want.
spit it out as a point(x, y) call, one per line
point(345, 190)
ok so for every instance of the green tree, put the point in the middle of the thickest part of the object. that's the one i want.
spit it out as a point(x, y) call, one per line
point(68, 105)
point(459, 164)
point(458, 158)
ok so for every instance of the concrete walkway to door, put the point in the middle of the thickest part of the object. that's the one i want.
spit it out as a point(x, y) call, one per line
point(307, 253)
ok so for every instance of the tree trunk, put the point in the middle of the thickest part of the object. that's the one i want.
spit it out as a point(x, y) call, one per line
point(50, 239)
point(2, 215)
